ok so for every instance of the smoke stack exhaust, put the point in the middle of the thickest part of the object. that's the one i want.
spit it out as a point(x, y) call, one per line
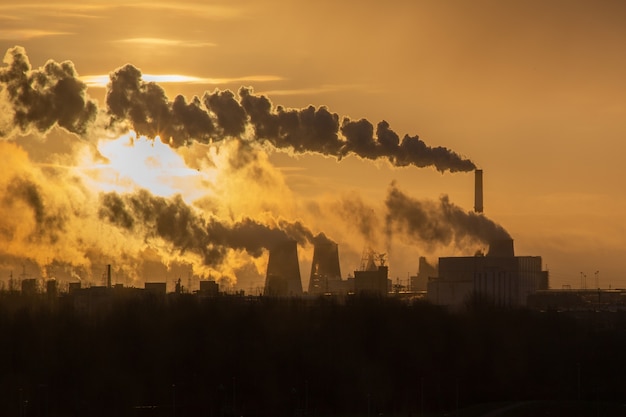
point(478, 191)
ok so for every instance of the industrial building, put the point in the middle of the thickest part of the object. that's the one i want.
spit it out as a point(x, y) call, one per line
point(425, 271)
point(372, 281)
point(209, 288)
point(156, 288)
point(499, 278)
point(325, 271)
point(283, 271)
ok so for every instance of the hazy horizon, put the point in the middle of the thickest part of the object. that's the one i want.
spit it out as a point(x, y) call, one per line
point(527, 91)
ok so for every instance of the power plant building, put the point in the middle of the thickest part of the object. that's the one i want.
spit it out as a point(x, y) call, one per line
point(283, 271)
point(156, 288)
point(325, 270)
point(372, 279)
point(499, 278)
point(425, 271)
point(210, 288)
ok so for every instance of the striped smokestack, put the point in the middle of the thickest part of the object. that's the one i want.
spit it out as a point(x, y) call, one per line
point(478, 191)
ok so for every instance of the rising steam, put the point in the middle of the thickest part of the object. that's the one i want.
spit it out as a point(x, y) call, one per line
point(438, 223)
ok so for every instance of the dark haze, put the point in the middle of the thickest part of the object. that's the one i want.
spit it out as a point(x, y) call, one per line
point(181, 226)
point(438, 223)
point(54, 94)
point(47, 96)
point(148, 110)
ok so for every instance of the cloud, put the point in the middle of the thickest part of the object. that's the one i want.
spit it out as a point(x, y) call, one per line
point(166, 42)
point(101, 81)
point(26, 34)
point(207, 10)
point(322, 89)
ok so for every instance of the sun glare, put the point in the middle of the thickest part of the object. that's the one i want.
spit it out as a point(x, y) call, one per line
point(138, 162)
point(101, 81)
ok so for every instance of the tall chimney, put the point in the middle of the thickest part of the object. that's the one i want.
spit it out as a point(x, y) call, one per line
point(478, 191)
point(283, 270)
point(109, 276)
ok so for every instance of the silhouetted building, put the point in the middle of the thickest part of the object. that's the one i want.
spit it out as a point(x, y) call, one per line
point(372, 279)
point(425, 271)
point(283, 271)
point(370, 282)
point(500, 278)
point(209, 288)
point(73, 286)
point(51, 288)
point(325, 270)
point(156, 288)
point(29, 286)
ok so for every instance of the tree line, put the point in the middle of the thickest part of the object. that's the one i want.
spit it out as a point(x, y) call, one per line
point(182, 355)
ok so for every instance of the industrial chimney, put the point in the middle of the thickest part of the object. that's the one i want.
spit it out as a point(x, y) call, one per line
point(109, 276)
point(325, 270)
point(283, 271)
point(478, 191)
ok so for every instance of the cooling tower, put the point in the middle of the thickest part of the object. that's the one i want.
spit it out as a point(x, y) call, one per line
point(478, 191)
point(325, 270)
point(283, 271)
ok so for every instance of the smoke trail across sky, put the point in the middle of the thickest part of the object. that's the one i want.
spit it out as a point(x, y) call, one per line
point(148, 110)
point(178, 224)
point(439, 223)
point(68, 202)
point(54, 94)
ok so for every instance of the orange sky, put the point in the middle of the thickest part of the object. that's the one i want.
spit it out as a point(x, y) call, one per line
point(531, 91)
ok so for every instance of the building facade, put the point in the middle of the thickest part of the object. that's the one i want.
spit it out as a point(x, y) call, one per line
point(499, 278)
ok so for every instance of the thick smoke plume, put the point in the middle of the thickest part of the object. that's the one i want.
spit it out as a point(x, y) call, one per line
point(178, 224)
point(53, 94)
point(41, 98)
point(145, 106)
point(438, 223)
point(59, 210)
